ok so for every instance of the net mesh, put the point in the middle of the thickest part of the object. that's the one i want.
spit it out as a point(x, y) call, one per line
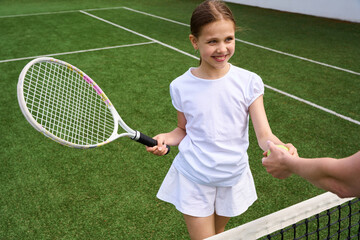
point(323, 217)
point(67, 105)
point(340, 222)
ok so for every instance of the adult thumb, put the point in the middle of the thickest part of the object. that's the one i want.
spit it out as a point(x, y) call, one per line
point(270, 144)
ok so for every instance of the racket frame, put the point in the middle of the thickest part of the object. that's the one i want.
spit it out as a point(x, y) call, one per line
point(134, 135)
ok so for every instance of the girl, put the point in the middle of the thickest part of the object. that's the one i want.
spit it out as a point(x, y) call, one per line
point(210, 179)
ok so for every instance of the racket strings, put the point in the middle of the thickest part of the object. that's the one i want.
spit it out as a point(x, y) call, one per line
point(66, 105)
point(85, 114)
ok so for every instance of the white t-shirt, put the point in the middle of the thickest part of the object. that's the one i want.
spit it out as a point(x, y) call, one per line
point(214, 150)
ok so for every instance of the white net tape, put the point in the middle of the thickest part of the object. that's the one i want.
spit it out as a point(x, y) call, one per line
point(265, 226)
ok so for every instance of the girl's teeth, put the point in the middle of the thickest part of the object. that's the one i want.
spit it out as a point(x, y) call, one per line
point(219, 58)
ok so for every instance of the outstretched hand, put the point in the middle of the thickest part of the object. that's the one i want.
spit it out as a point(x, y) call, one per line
point(277, 162)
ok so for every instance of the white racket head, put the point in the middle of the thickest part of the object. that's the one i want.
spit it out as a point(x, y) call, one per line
point(66, 105)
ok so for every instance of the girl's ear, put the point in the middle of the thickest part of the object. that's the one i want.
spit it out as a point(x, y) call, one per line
point(193, 41)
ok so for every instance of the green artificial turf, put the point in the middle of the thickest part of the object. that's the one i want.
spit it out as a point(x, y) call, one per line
point(48, 191)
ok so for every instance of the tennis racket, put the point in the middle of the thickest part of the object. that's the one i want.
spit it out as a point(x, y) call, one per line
point(66, 105)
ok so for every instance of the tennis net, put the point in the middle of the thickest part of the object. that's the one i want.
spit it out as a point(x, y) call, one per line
point(323, 217)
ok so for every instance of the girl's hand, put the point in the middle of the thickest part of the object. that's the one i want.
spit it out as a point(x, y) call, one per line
point(276, 162)
point(292, 150)
point(159, 149)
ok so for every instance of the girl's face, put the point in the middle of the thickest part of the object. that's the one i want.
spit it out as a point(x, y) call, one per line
point(216, 44)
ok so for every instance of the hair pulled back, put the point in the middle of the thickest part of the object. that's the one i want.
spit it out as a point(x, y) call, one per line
point(207, 12)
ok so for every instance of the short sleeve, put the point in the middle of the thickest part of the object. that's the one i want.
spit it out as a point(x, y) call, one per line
point(175, 97)
point(256, 88)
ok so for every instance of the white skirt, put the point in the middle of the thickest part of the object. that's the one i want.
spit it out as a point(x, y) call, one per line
point(201, 200)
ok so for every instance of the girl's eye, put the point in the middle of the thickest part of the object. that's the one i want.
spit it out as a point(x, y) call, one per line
point(229, 39)
point(212, 41)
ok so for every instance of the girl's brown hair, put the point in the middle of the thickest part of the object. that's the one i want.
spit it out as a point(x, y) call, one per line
point(208, 12)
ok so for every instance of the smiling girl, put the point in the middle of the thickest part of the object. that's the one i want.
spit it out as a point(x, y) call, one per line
point(210, 179)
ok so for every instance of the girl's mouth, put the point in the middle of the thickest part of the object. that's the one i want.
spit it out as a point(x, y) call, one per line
point(220, 58)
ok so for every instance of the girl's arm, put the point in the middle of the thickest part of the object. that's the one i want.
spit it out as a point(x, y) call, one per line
point(172, 138)
point(262, 127)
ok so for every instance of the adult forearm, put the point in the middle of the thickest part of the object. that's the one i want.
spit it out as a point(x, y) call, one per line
point(311, 169)
point(318, 171)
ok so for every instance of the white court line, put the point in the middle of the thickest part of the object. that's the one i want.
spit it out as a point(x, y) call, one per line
point(139, 34)
point(253, 44)
point(79, 51)
point(154, 16)
point(37, 14)
point(187, 54)
point(60, 12)
point(187, 25)
point(299, 57)
point(313, 105)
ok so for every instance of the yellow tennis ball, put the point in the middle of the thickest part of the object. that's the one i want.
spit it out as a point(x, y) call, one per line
point(281, 146)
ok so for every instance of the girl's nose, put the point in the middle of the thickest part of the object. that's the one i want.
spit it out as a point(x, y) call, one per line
point(221, 48)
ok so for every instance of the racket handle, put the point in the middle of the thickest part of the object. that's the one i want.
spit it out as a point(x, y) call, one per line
point(148, 141)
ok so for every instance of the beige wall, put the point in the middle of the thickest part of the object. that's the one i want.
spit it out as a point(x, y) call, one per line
point(348, 10)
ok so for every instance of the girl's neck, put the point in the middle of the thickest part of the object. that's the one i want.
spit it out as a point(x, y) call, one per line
point(210, 74)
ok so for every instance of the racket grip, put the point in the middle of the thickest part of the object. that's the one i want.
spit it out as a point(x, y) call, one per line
point(148, 141)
